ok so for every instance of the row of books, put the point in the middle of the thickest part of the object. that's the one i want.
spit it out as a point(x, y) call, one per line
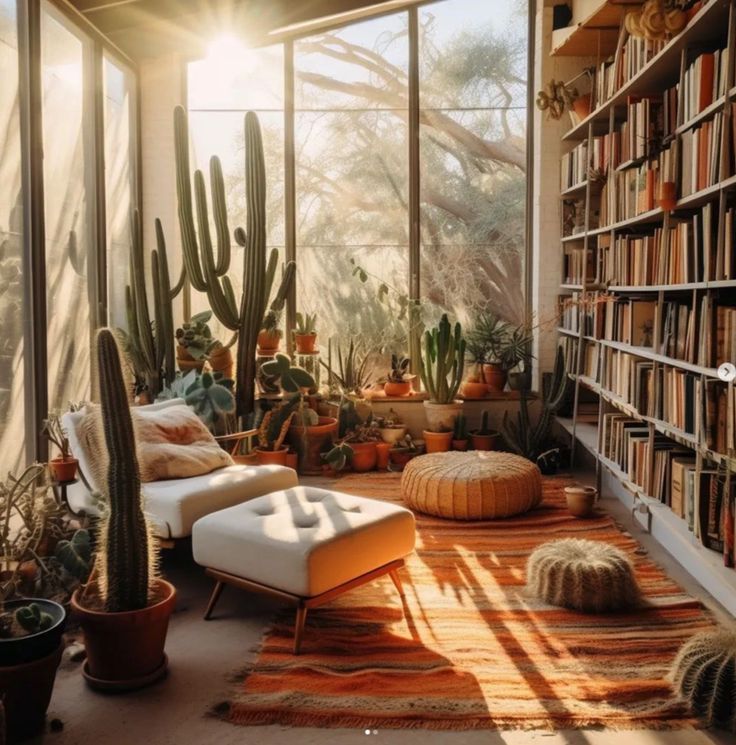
point(626, 320)
point(577, 264)
point(574, 167)
point(703, 82)
point(649, 121)
point(701, 161)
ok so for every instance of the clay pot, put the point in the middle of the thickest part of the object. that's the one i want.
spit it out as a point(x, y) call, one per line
point(305, 343)
point(495, 377)
point(125, 650)
point(319, 439)
point(460, 445)
point(26, 691)
point(292, 460)
point(441, 417)
point(268, 342)
point(471, 389)
point(668, 195)
point(365, 456)
point(271, 457)
point(383, 450)
point(399, 457)
point(396, 390)
point(581, 500)
point(392, 434)
point(221, 361)
point(186, 362)
point(581, 106)
point(484, 442)
point(63, 470)
point(437, 442)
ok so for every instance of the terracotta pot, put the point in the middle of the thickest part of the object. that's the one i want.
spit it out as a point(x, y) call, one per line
point(383, 450)
point(581, 500)
point(437, 442)
point(365, 456)
point(441, 417)
point(668, 195)
point(471, 389)
point(186, 362)
point(271, 457)
point(26, 691)
point(392, 434)
point(581, 106)
point(292, 460)
point(221, 360)
point(460, 445)
point(319, 439)
point(396, 390)
point(305, 343)
point(484, 442)
point(495, 376)
point(125, 651)
point(63, 470)
point(268, 342)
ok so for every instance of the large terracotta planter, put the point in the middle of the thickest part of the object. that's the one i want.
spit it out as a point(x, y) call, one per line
point(365, 456)
point(272, 457)
point(63, 470)
point(397, 390)
point(484, 442)
point(305, 343)
point(221, 361)
point(437, 442)
point(471, 389)
point(268, 342)
point(319, 439)
point(495, 377)
point(441, 417)
point(125, 651)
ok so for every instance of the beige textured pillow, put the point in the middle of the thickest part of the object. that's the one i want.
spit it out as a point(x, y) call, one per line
point(171, 443)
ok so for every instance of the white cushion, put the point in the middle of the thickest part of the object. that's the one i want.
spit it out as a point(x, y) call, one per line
point(304, 540)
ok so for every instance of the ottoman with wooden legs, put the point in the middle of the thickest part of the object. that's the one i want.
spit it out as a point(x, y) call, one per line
point(304, 545)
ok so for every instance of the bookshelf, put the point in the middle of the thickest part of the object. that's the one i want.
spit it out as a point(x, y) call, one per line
point(648, 289)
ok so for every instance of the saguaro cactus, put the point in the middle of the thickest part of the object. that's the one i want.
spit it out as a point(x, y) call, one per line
point(124, 567)
point(150, 346)
point(443, 361)
point(207, 269)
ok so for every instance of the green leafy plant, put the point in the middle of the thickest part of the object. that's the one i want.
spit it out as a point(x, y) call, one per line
point(489, 335)
point(196, 336)
point(338, 457)
point(32, 619)
point(306, 323)
point(515, 349)
point(209, 394)
point(75, 554)
point(443, 361)
point(54, 433)
point(353, 373)
point(399, 369)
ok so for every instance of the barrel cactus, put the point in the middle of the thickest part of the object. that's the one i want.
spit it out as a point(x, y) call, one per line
point(125, 551)
point(584, 575)
point(704, 673)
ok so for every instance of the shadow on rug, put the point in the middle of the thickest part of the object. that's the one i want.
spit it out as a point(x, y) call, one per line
point(468, 648)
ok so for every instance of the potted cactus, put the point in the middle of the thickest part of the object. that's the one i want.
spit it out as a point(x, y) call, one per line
point(63, 468)
point(305, 333)
point(442, 364)
point(460, 433)
point(124, 608)
point(194, 340)
point(399, 381)
point(484, 438)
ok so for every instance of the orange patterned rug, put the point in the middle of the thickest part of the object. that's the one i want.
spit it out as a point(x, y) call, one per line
point(470, 649)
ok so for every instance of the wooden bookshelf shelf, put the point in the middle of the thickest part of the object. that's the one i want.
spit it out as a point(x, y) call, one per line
point(658, 415)
point(574, 190)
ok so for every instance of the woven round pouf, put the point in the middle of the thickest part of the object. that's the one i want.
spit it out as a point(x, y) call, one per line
point(583, 575)
point(479, 485)
point(704, 673)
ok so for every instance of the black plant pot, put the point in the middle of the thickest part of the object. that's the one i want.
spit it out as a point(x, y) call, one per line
point(520, 381)
point(16, 651)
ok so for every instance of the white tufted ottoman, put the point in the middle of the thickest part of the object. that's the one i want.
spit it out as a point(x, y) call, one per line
point(304, 544)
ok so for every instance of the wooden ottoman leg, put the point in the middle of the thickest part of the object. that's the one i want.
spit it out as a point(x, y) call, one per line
point(219, 587)
point(394, 574)
point(301, 619)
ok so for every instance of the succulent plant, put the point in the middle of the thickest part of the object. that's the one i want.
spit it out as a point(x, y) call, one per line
point(32, 619)
point(443, 361)
point(195, 335)
point(399, 369)
point(460, 428)
point(306, 323)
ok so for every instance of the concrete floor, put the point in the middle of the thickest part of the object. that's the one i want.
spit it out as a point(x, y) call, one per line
point(202, 655)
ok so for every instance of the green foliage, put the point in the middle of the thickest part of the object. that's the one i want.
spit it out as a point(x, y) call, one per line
point(306, 323)
point(196, 336)
point(55, 434)
point(75, 554)
point(339, 457)
point(275, 423)
point(443, 361)
point(32, 619)
point(352, 374)
point(209, 394)
point(484, 428)
point(291, 378)
point(525, 438)
point(399, 369)
point(460, 428)
point(125, 551)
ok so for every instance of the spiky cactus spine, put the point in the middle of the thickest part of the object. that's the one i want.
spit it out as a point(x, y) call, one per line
point(704, 673)
point(589, 576)
point(207, 270)
point(443, 361)
point(125, 581)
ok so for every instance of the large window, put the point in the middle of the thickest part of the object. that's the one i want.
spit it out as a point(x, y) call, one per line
point(355, 177)
point(11, 249)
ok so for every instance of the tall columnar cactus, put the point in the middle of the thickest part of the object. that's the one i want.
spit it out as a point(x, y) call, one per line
point(124, 563)
point(207, 270)
point(443, 361)
point(150, 345)
point(525, 438)
point(704, 673)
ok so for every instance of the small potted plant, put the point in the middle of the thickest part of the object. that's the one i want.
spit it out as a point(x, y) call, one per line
point(460, 434)
point(194, 340)
point(269, 337)
point(484, 438)
point(399, 381)
point(474, 385)
point(309, 435)
point(404, 450)
point(63, 468)
point(305, 333)
point(490, 333)
point(515, 357)
point(391, 427)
